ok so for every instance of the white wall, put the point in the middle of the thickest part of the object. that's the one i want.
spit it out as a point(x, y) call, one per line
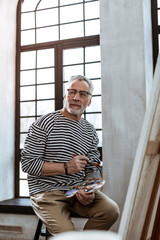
point(7, 96)
point(126, 49)
point(7, 123)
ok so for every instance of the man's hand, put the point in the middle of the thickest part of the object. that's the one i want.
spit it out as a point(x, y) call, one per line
point(85, 198)
point(77, 163)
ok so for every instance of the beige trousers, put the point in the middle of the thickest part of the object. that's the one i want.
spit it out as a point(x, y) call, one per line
point(53, 208)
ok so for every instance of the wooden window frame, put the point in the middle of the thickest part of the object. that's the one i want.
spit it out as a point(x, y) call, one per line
point(59, 46)
point(155, 31)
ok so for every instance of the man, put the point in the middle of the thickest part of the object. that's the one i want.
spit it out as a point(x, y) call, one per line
point(57, 155)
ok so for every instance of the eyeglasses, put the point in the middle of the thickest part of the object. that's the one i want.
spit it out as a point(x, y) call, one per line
point(82, 94)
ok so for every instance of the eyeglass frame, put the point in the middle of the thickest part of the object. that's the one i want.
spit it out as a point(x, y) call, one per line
point(79, 91)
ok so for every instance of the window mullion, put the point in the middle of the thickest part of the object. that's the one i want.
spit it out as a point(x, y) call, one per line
point(17, 103)
point(155, 31)
point(58, 77)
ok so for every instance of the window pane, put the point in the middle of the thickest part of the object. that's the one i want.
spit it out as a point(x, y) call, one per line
point(64, 88)
point(100, 138)
point(95, 119)
point(159, 41)
point(27, 93)
point(45, 58)
point(27, 77)
point(72, 70)
point(92, 27)
point(27, 20)
point(44, 107)
point(158, 17)
point(22, 174)
point(29, 5)
point(48, 4)
point(27, 108)
point(27, 37)
point(91, 10)
point(96, 105)
point(47, 34)
point(22, 140)
point(97, 86)
point(46, 75)
point(47, 17)
point(72, 30)
point(93, 70)
point(71, 13)
point(92, 54)
point(65, 2)
point(45, 91)
point(25, 124)
point(158, 4)
point(28, 60)
point(24, 191)
point(71, 56)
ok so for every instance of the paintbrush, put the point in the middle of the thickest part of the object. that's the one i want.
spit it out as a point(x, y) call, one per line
point(96, 164)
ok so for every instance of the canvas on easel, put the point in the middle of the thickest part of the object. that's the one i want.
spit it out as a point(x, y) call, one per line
point(141, 209)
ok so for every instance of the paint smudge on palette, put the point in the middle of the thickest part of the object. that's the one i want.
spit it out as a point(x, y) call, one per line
point(89, 186)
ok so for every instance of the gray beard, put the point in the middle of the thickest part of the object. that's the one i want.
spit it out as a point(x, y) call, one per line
point(74, 112)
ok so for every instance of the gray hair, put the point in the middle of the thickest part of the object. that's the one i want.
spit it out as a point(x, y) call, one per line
point(82, 78)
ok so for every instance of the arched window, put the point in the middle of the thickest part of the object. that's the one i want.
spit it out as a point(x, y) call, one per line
point(55, 39)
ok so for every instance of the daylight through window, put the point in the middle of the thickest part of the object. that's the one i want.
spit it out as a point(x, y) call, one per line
point(57, 39)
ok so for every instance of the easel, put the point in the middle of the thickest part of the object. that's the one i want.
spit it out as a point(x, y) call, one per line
point(141, 213)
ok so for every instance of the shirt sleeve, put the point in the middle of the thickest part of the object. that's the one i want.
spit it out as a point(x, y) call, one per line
point(32, 154)
point(94, 156)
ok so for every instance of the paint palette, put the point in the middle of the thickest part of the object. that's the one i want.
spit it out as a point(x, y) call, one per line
point(89, 186)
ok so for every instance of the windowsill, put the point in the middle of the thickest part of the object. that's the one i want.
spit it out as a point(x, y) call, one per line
point(16, 206)
point(21, 206)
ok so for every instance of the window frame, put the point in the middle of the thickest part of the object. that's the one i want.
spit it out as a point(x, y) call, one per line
point(155, 30)
point(59, 46)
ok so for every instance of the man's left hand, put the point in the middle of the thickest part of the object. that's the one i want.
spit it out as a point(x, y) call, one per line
point(85, 198)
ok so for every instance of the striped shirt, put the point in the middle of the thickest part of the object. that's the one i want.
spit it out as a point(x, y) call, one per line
point(55, 138)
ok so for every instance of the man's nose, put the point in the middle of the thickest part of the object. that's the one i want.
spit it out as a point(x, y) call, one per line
point(77, 96)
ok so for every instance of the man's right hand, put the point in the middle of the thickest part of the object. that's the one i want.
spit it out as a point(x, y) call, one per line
point(77, 163)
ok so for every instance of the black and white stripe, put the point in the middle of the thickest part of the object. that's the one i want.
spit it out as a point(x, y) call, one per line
point(56, 138)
